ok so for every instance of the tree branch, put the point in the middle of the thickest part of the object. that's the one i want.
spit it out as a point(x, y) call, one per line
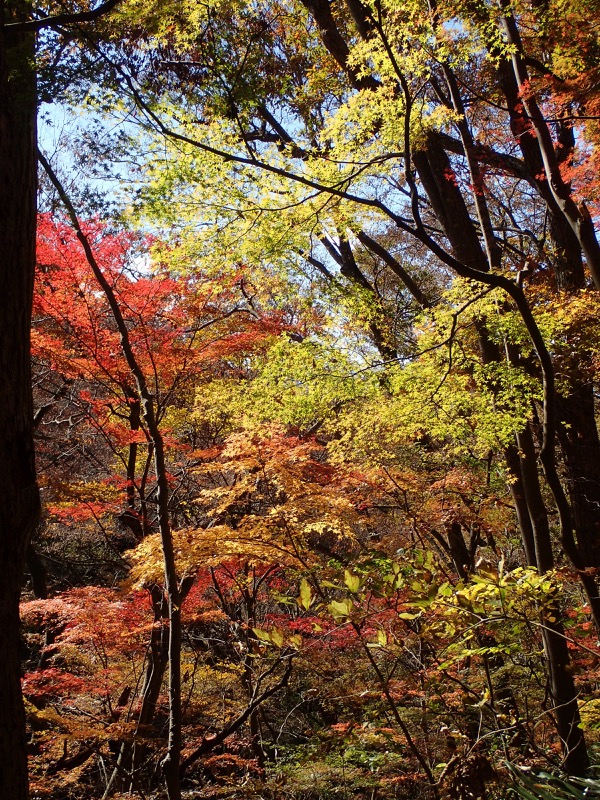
point(395, 266)
point(62, 19)
point(213, 741)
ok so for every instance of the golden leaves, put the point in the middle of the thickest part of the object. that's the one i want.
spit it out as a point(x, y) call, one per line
point(267, 500)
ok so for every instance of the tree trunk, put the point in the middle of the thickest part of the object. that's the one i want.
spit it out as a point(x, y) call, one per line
point(562, 686)
point(19, 497)
point(577, 430)
point(171, 761)
point(578, 437)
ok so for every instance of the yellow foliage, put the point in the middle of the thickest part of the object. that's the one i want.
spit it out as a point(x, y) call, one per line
point(268, 503)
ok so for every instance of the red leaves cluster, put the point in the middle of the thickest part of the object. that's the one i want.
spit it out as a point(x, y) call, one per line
point(176, 324)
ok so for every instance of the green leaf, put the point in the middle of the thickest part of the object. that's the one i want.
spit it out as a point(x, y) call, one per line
point(353, 582)
point(277, 637)
point(264, 636)
point(340, 609)
point(305, 599)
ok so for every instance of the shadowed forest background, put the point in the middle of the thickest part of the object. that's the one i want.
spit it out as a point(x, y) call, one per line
point(299, 345)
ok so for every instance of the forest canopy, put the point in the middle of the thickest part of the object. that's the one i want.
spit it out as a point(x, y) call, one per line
point(299, 450)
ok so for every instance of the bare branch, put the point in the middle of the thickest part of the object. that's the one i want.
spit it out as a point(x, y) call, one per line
point(62, 19)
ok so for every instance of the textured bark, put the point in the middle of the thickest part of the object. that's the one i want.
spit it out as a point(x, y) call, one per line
point(578, 437)
point(19, 498)
point(561, 683)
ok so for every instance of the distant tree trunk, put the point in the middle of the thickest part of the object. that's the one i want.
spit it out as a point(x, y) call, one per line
point(19, 497)
point(171, 762)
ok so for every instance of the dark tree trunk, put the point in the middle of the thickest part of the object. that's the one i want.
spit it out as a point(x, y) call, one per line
point(577, 430)
point(19, 497)
point(449, 207)
point(538, 515)
point(578, 437)
point(561, 683)
point(517, 490)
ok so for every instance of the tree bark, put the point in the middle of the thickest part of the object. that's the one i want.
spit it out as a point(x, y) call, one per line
point(562, 686)
point(578, 438)
point(19, 496)
point(577, 430)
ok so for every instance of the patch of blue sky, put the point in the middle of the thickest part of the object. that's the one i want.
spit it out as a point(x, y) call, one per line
point(93, 152)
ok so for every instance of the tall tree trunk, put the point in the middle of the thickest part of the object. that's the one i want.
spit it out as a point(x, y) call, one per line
point(448, 205)
point(578, 437)
point(562, 685)
point(19, 497)
point(171, 762)
point(577, 430)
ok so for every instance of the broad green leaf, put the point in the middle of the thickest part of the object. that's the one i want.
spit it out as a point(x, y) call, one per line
point(353, 582)
point(277, 637)
point(264, 636)
point(305, 598)
point(340, 609)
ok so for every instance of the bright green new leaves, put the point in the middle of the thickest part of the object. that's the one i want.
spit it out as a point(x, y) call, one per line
point(446, 392)
point(298, 383)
